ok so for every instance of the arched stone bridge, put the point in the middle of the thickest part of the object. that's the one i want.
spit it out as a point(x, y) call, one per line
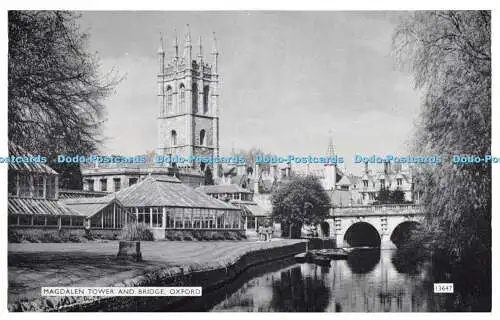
point(383, 225)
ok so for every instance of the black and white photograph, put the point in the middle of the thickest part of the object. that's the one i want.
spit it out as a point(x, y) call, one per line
point(248, 161)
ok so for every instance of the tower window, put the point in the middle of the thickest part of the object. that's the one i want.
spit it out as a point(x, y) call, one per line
point(169, 100)
point(182, 97)
point(206, 91)
point(104, 184)
point(117, 184)
point(173, 138)
point(202, 137)
point(382, 183)
point(195, 97)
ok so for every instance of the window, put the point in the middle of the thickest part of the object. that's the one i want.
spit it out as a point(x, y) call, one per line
point(66, 221)
point(25, 220)
point(169, 100)
point(173, 138)
point(169, 223)
point(51, 187)
point(38, 186)
point(117, 184)
point(39, 220)
point(143, 216)
point(179, 216)
point(202, 137)
point(195, 97)
point(206, 91)
point(77, 221)
point(13, 189)
point(182, 97)
point(90, 184)
point(399, 181)
point(344, 187)
point(13, 220)
point(365, 183)
point(96, 221)
point(104, 184)
point(382, 183)
point(52, 220)
point(132, 181)
point(157, 218)
point(24, 185)
point(108, 216)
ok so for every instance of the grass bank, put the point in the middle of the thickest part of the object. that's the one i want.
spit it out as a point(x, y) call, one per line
point(34, 265)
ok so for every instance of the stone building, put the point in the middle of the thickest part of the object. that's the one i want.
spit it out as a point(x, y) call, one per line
point(188, 120)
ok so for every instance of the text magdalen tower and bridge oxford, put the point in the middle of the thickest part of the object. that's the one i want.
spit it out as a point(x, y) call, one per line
point(188, 115)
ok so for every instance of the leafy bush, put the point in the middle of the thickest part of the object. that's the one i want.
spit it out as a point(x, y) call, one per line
point(50, 237)
point(188, 237)
point(197, 235)
point(15, 237)
point(230, 236)
point(137, 232)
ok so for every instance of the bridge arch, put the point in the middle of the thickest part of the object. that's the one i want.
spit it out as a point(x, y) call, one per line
point(401, 233)
point(362, 234)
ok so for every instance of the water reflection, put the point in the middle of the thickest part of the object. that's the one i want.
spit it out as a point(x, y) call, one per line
point(363, 260)
point(367, 281)
point(295, 291)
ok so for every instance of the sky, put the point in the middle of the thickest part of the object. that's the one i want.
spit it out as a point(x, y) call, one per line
point(288, 79)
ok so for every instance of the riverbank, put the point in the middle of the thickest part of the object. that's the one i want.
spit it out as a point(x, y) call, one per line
point(206, 264)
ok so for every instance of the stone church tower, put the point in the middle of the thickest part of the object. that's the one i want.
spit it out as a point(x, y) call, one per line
point(330, 180)
point(188, 115)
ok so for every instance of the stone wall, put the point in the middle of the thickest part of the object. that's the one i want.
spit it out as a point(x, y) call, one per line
point(208, 277)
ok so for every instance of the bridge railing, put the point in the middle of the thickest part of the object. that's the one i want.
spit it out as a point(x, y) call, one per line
point(381, 209)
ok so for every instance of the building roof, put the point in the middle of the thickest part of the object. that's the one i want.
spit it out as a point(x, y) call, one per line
point(15, 150)
point(223, 188)
point(255, 210)
point(157, 192)
point(90, 206)
point(38, 207)
point(340, 198)
point(70, 194)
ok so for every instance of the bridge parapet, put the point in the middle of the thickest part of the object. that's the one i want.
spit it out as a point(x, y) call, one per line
point(379, 210)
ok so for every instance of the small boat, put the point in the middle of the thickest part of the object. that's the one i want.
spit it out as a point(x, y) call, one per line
point(333, 253)
point(321, 261)
point(303, 257)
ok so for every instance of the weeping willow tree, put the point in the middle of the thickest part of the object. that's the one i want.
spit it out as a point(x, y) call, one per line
point(449, 55)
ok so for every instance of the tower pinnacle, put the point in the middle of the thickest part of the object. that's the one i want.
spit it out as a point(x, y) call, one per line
point(188, 47)
point(215, 53)
point(200, 53)
point(176, 45)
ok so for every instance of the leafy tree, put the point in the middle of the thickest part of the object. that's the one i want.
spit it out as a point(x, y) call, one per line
point(449, 54)
point(383, 196)
point(55, 88)
point(397, 196)
point(300, 201)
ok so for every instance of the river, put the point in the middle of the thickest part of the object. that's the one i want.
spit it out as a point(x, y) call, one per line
point(370, 280)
